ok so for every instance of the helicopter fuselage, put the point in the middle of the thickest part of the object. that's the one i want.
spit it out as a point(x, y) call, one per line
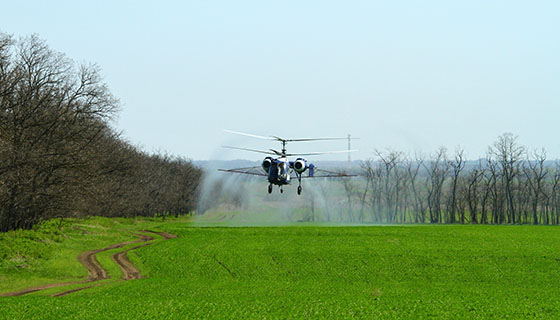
point(279, 171)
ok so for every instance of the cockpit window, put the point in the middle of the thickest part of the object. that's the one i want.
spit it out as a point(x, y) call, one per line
point(282, 169)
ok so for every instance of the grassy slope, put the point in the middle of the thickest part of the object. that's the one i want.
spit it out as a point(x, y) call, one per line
point(49, 253)
point(327, 272)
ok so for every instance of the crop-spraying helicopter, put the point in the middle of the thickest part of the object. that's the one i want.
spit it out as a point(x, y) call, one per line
point(278, 170)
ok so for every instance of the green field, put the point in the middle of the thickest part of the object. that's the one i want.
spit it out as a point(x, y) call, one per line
point(297, 271)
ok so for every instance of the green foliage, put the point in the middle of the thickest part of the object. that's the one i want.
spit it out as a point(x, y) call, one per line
point(390, 272)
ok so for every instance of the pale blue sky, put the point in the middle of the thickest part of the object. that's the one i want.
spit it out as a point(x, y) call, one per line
point(406, 75)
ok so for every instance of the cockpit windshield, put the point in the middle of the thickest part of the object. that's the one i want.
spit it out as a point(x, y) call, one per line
point(282, 169)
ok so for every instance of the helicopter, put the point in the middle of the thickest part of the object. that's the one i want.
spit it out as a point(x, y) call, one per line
point(279, 169)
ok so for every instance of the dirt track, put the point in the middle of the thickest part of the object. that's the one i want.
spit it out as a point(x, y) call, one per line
point(130, 272)
point(95, 270)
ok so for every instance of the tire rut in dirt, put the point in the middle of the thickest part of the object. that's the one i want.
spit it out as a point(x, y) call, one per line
point(130, 272)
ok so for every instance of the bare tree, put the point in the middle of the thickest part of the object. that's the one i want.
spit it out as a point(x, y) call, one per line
point(473, 180)
point(419, 206)
point(535, 173)
point(52, 115)
point(392, 177)
point(376, 194)
point(457, 166)
point(58, 153)
point(437, 169)
point(508, 154)
point(368, 171)
point(555, 194)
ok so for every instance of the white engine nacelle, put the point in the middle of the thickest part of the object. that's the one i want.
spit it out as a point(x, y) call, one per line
point(266, 164)
point(300, 165)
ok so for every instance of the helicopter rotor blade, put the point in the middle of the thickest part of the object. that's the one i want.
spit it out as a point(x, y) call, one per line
point(319, 153)
point(252, 150)
point(315, 139)
point(311, 139)
point(277, 138)
point(250, 135)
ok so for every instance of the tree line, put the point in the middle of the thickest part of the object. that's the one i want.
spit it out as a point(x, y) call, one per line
point(59, 155)
point(511, 185)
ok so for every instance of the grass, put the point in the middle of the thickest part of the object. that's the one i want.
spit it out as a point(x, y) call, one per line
point(388, 272)
point(48, 254)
